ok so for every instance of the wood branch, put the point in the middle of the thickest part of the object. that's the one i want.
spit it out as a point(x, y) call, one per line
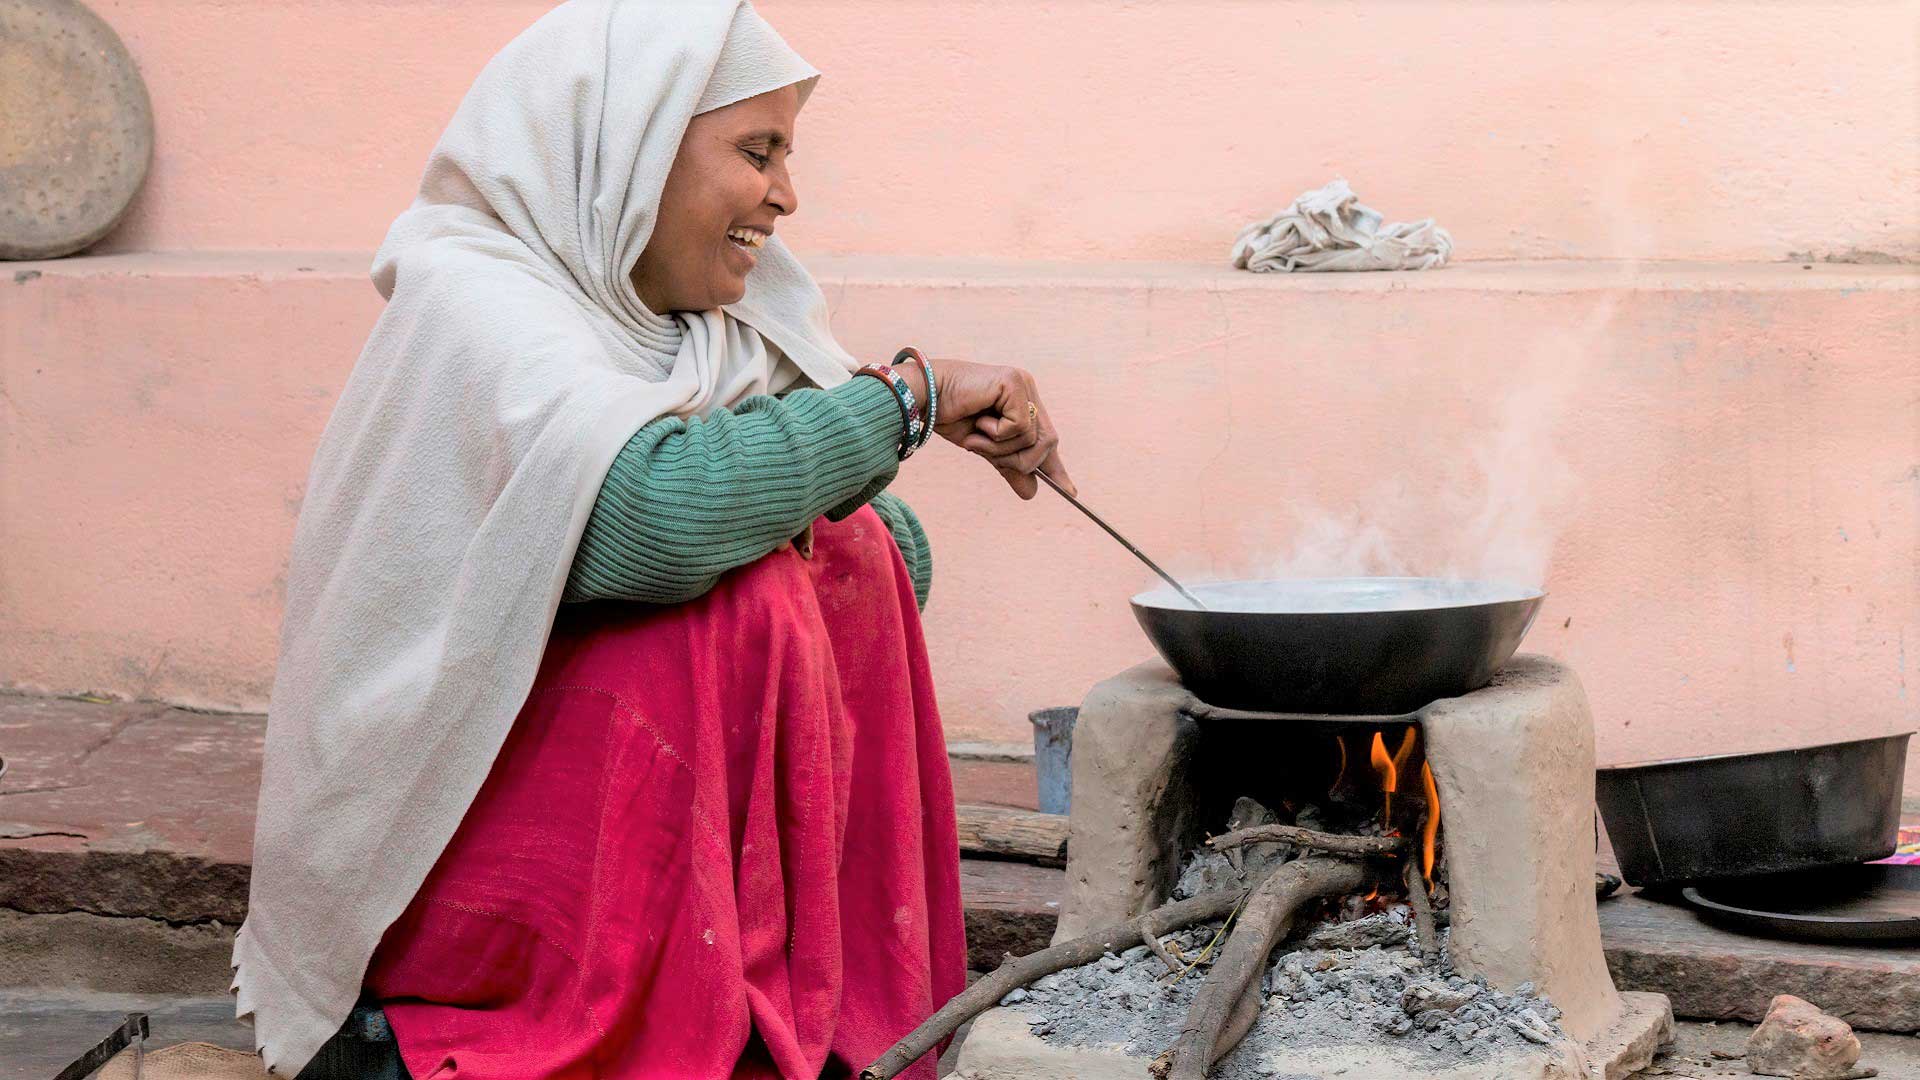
point(1001, 832)
point(1237, 858)
point(1264, 921)
point(1170, 957)
point(1308, 838)
point(1165, 919)
point(1025, 970)
point(1426, 936)
point(1245, 1013)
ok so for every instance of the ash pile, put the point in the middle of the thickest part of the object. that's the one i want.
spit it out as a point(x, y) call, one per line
point(1358, 973)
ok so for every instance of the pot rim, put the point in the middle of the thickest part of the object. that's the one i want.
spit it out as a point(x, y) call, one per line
point(1659, 763)
point(1157, 598)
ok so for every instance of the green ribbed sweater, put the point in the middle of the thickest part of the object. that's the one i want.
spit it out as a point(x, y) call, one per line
point(687, 500)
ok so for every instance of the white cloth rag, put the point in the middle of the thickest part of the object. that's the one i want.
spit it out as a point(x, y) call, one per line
point(1329, 229)
point(450, 487)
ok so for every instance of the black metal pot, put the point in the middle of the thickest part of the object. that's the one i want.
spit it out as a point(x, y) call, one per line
point(1732, 815)
point(1365, 646)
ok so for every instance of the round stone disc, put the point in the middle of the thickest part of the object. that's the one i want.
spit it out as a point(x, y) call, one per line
point(78, 133)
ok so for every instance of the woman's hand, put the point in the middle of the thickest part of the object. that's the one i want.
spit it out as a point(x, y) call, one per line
point(996, 412)
point(802, 543)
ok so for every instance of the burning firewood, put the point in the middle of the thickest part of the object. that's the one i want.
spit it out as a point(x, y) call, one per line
point(1018, 972)
point(1258, 918)
point(1264, 921)
point(1310, 839)
point(1426, 938)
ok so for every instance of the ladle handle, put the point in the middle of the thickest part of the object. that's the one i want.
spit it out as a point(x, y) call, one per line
point(1124, 542)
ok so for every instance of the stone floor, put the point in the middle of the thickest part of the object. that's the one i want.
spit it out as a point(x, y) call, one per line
point(42, 1030)
point(1695, 1046)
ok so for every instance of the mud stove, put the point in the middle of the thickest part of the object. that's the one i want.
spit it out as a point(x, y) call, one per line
point(1491, 798)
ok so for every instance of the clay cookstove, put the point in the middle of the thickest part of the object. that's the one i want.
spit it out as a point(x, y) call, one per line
point(1513, 984)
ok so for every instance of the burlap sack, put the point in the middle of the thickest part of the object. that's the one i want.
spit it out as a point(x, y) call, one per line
point(187, 1061)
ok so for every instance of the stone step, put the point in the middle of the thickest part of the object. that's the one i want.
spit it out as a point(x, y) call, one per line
point(1715, 974)
point(1537, 131)
point(1725, 452)
point(125, 832)
point(127, 810)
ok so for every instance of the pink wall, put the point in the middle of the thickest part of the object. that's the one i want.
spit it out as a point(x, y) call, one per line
point(1735, 564)
point(158, 420)
point(1096, 130)
point(1737, 561)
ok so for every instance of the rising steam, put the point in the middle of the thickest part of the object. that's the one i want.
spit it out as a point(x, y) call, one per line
point(1497, 512)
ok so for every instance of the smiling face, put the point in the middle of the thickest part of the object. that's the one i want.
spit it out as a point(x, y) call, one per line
point(727, 187)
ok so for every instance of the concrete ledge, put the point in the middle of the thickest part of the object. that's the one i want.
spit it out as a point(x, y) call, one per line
point(1003, 753)
point(1523, 275)
point(1503, 276)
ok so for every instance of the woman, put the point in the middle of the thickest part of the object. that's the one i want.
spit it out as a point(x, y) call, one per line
point(602, 742)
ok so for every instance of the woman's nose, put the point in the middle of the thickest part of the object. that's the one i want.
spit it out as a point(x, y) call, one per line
point(781, 194)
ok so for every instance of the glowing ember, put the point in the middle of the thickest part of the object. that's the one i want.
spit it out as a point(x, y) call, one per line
point(1432, 827)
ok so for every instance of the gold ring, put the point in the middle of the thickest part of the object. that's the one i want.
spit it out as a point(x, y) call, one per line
point(1033, 413)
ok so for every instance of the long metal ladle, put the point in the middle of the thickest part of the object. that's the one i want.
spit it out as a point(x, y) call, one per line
point(1124, 542)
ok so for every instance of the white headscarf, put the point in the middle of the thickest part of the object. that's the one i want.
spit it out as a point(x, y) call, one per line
point(453, 481)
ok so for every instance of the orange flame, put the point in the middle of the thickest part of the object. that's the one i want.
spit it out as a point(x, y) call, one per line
point(1432, 828)
point(1405, 751)
point(1389, 775)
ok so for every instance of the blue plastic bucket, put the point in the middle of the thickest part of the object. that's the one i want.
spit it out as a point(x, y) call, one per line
point(1053, 756)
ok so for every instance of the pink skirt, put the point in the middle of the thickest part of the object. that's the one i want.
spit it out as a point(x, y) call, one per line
point(719, 842)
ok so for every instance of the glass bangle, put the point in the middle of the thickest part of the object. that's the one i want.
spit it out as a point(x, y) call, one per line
point(933, 389)
point(903, 396)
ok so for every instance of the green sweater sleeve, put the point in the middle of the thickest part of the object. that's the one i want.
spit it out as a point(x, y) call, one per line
point(686, 500)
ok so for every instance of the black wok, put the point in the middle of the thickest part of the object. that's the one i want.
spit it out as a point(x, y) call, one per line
point(1367, 646)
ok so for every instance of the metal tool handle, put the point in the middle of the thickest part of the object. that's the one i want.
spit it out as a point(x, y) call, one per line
point(1124, 542)
point(131, 1033)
